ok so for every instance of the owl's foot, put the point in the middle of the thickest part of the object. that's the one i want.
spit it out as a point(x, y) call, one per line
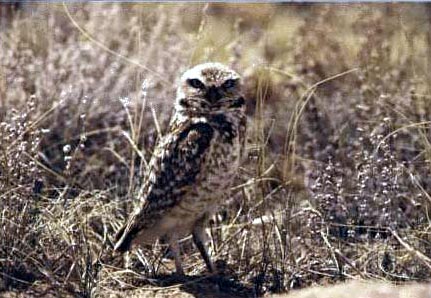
point(175, 250)
point(200, 239)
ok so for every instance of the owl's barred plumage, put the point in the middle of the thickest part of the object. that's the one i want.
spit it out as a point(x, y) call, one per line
point(193, 165)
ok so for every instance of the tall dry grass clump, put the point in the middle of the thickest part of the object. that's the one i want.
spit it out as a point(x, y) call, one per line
point(336, 185)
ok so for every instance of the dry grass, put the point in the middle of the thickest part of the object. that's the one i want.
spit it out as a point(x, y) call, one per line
point(337, 185)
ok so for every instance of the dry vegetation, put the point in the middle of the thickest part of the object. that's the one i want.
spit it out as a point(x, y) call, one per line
point(337, 185)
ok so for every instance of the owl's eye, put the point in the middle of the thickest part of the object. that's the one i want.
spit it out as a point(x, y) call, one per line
point(229, 84)
point(195, 83)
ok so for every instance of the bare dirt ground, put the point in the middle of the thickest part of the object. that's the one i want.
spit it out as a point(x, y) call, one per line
point(363, 290)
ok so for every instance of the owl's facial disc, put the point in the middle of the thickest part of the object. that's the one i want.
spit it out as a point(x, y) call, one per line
point(210, 87)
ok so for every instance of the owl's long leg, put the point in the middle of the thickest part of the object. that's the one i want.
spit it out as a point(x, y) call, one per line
point(200, 239)
point(175, 249)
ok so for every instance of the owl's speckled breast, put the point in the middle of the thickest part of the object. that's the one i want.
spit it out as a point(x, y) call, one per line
point(215, 179)
point(212, 186)
point(223, 163)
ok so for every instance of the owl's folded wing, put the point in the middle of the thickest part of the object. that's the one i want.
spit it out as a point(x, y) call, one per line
point(176, 164)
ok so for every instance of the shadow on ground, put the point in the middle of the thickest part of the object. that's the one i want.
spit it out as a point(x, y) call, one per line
point(205, 286)
point(202, 286)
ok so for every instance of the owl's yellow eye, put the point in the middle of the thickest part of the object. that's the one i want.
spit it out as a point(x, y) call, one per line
point(229, 84)
point(195, 83)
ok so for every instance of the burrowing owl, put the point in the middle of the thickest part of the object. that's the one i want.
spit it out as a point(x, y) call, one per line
point(193, 166)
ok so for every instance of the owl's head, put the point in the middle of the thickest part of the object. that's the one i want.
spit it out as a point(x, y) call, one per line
point(209, 88)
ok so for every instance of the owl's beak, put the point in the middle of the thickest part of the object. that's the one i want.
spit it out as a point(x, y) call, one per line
point(214, 94)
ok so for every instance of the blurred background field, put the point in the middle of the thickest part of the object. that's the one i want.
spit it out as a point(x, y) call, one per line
point(337, 182)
